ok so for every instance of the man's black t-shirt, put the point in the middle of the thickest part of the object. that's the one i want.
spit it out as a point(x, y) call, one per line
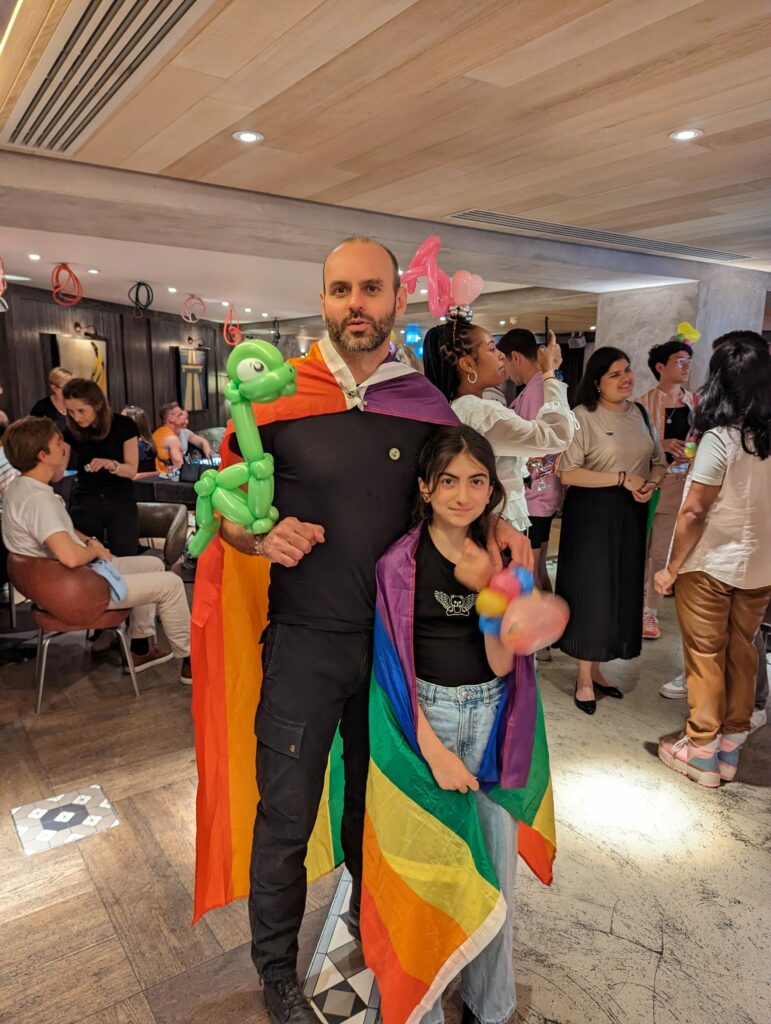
point(449, 646)
point(111, 447)
point(355, 474)
point(676, 424)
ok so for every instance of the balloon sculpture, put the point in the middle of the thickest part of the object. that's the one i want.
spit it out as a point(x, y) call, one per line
point(686, 332)
point(526, 619)
point(443, 293)
point(257, 373)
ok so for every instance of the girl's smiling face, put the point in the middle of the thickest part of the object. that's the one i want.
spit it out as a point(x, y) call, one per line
point(460, 493)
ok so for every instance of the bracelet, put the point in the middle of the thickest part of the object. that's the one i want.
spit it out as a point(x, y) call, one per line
point(550, 376)
point(115, 466)
point(621, 478)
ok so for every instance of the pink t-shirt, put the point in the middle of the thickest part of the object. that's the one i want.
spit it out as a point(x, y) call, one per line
point(545, 495)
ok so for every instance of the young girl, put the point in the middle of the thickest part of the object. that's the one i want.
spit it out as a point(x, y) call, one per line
point(456, 756)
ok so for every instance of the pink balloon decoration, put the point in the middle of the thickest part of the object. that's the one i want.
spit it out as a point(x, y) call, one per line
point(424, 264)
point(466, 287)
point(505, 582)
point(532, 622)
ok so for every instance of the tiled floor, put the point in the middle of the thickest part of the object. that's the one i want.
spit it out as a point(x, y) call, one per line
point(66, 818)
point(339, 985)
point(658, 913)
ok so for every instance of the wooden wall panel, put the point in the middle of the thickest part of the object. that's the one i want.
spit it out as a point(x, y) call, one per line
point(140, 361)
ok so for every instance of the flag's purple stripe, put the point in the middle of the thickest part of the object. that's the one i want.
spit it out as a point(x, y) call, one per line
point(411, 396)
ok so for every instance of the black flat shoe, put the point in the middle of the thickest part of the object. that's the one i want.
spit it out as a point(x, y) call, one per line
point(469, 1017)
point(609, 691)
point(587, 706)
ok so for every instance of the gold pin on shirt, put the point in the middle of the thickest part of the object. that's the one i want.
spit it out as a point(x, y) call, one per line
point(394, 454)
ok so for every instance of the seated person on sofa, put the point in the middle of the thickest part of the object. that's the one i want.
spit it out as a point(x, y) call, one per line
point(36, 524)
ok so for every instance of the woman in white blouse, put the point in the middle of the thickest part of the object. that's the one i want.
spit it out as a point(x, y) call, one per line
point(720, 560)
point(462, 360)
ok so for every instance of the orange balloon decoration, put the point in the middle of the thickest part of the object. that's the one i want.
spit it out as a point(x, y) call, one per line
point(231, 329)
point(66, 289)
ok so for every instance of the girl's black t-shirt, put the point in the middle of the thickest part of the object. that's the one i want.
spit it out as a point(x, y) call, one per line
point(449, 646)
point(46, 407)
point(110, 447)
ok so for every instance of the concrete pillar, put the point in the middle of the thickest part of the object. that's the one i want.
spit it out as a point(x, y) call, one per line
point(635, 321)
point(724, 299)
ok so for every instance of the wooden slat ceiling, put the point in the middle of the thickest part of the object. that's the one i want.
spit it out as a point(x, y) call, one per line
point(551, 111)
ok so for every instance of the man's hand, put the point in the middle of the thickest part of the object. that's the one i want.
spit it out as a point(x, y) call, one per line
point(290, 540)
point(505, 538)
point(664, 580)
point(476, 565)
point(450, 772)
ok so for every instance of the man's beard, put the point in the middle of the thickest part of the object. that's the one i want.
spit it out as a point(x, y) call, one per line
point(380, 330)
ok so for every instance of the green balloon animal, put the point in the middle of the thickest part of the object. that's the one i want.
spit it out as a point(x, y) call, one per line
point(257, 373)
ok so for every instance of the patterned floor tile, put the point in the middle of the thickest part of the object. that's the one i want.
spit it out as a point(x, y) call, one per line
point(340, 987)
point(65, 818)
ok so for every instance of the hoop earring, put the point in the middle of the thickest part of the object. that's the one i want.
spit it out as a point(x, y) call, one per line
point(468, 377)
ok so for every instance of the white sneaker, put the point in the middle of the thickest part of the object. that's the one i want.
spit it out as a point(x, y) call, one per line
point(107, 638)
point(676, 688)
point(758, 719)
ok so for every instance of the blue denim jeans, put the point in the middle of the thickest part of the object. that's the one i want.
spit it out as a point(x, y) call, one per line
point(462, 717)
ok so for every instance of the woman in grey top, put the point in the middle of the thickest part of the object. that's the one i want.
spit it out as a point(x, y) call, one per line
point(612, 466)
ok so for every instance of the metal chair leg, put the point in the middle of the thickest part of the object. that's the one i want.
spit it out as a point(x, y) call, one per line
point(37, 655)
point(12, 606)
point(127, 657)
point(43, 655)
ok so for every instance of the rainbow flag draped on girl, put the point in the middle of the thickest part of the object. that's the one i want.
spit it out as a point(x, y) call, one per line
point(431, 901)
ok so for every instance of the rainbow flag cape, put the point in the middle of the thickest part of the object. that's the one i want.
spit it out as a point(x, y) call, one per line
point(431, 901)
point(230, 612)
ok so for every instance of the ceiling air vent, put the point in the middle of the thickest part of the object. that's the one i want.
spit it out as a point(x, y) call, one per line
point(101, 51)
point(568, 232)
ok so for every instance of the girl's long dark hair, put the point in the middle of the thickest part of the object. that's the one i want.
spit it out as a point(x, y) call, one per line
point(738, 391)
point(443, 346)
point(436, 455)
point(600, 361)
point(139, 416)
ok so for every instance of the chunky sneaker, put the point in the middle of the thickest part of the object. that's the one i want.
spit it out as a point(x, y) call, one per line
point(286, 1003)
point(650, 629)
point(155, 656)
point(758, 719)
point(698, 763)
point(676, 688)
point(728, 754)
point(186, 672)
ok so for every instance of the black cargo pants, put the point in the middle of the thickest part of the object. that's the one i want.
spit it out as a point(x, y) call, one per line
point(313, 680)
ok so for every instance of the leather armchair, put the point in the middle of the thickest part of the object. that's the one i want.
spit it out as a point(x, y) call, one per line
point(66, 601)
point(158, 519)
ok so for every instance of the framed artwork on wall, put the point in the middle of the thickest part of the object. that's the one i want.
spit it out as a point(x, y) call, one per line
point(192, 366)
point(83, 355)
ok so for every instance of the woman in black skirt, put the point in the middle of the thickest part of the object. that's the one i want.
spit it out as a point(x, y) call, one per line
point(105, 444)
point(613, 466)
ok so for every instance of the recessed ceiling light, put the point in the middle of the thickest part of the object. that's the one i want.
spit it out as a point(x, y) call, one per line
point(593, 327)
point(502, 323)
point(34, 256)
point(443, 318)
point(424, 291)
point(266, 314)
point(226, 304)
point(247, 309)
point(93, 270)
point(16, 277)
point(172, 290)
point(248, 136)
point(686, 134)
point(401, 332)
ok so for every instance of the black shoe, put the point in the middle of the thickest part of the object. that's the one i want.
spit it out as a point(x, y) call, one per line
point(353, 922)
point(587, 706)
point(286, 1003)
point(468, 1016)
point(609, 691)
